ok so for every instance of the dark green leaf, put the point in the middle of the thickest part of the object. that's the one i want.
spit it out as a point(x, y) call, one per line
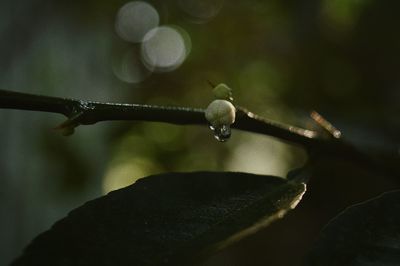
point(173, 218)
point(365, 234)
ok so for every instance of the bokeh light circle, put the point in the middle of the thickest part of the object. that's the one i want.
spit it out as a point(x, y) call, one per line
point(165, 48)
point(135, 19)
point(201, 11)
point(129, 68)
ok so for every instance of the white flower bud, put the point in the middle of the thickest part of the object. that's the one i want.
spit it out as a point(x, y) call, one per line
point(220, 112)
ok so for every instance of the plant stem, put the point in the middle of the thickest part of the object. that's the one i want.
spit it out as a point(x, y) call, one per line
point(88, 112)
point(81, 112)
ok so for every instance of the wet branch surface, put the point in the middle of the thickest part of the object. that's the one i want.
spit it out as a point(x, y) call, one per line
point(82, 112)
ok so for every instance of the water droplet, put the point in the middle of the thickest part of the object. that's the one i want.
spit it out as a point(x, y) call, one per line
point(221, 133)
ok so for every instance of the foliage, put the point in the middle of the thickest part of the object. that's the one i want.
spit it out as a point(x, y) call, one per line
point(281, 58)
point(167, 219)
point(364, 234)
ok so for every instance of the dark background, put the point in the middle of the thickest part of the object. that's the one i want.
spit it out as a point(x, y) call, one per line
point(282, 59)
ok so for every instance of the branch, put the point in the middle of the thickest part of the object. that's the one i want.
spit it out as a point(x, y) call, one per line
point(81, 112)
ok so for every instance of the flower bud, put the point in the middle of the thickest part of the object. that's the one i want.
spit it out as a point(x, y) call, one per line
point(220, 112)
point(222, 92)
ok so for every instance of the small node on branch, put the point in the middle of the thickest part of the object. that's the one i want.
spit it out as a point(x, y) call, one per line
point(67, 128)
point(326, 125)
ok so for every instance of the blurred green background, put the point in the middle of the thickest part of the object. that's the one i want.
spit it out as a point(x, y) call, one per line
point(281, 58)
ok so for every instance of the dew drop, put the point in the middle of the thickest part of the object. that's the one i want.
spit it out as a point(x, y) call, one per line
point(221, 133)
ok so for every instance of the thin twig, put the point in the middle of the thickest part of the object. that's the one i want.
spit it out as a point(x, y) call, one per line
point(81, 112)
point(325, 124)
point(88, 112)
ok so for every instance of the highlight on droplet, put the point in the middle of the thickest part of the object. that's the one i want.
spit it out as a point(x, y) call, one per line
point(221, 133)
